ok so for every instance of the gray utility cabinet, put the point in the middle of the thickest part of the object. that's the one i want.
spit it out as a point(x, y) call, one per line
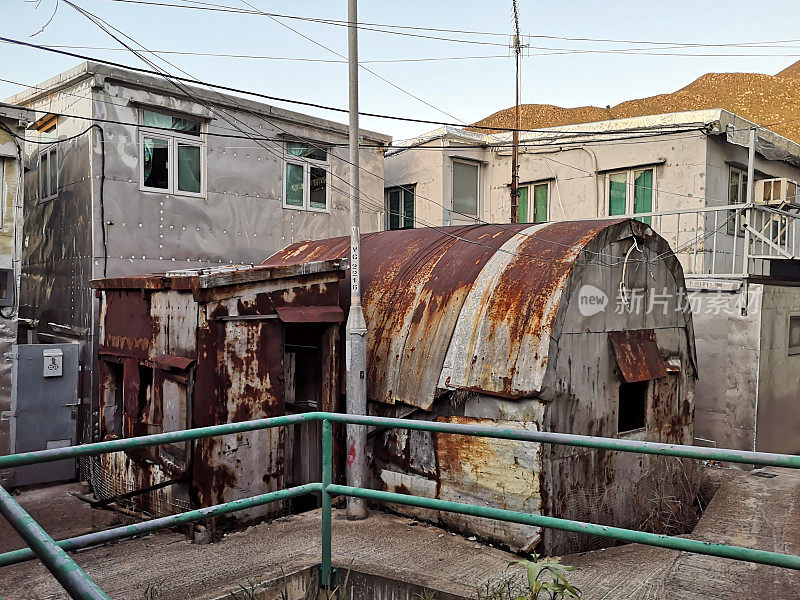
point(44, 407)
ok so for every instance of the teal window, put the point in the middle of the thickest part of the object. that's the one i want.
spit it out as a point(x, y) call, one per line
point(631, 192)
point(171, 154)
point(643, 193)
point(307, 176)
point(536, 211)
point(294, 185)
point(400, 207)
point(162, 121)
point(617, 193)
point(522, 204)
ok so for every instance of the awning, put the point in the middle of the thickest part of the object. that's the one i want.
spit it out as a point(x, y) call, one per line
point(165, 362)
point(310, 314)
point(637, 355)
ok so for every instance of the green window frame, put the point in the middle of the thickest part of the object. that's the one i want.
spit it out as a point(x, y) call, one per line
point(400, 207)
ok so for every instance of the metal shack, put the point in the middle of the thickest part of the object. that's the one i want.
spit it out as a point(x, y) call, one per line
point(193, 348)
point(575, 327)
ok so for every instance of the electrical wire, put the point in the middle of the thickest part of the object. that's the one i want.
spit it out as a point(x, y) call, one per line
point(298, 102)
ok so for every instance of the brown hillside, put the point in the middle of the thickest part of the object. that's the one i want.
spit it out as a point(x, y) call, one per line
point(769, 100)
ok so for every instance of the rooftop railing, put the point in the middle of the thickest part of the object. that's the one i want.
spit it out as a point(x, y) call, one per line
point(79, 585)
point(731, 241)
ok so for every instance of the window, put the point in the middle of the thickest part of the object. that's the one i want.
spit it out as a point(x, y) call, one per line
point(536, 212)
point(465, 188)
point(794, 335)
point(172, 154)
point(632, 408)
point(306, 185)
point(48, 173)
point(737, 194)
point(400, 207)
point(631, 192)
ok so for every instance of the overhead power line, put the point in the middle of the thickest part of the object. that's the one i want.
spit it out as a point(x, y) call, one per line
point(299, 102)
point(216, 7)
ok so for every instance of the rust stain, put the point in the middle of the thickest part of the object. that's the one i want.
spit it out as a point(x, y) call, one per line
point(637, 355)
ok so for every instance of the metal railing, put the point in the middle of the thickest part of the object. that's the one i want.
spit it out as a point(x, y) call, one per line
point(730, 241)
point(79, 585)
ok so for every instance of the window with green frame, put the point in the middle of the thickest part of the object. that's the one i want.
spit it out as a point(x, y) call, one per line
point(620, 202)
point(400, 207)
point(537, 211)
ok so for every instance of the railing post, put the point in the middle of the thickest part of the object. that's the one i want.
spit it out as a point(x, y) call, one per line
point(327, 476)
point(71, 577)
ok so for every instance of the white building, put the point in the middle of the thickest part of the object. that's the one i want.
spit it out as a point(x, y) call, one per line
point(686, 175)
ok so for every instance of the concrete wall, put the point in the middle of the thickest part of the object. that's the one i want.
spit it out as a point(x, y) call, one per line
point(778, 417)
point(10, 197)
point(728, 351)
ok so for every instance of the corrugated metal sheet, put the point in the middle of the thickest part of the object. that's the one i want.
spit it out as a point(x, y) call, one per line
point(444, 305)
point(637, 355)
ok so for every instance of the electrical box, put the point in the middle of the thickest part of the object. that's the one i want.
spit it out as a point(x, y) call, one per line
point(53, 362)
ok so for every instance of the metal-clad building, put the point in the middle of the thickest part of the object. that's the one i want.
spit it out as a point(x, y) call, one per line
point(144, 177)
point(203, 347)
point(575, 327)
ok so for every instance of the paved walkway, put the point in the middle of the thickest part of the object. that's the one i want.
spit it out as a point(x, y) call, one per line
point(747, 510)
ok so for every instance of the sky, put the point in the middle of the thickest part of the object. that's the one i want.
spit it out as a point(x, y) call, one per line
point(453, 91)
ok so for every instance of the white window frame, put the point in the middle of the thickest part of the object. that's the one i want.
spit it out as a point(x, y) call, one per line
point(531, 205)
point(174, 139)
point(52, 152)
point(479, 196)
point(630, 184)
point(307, 163)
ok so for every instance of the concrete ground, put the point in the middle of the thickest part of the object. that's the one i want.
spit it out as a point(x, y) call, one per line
point(747, 510)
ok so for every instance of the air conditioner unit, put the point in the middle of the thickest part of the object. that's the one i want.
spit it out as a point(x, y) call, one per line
point(775, 192)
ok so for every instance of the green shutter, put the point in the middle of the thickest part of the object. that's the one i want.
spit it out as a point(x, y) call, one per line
point(394, 209)
point(617, 184)
point(643, 193)
point(408, 208)
point(540, 193)
point(522, 205)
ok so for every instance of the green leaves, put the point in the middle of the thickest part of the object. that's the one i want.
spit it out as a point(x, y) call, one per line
point(547, 580)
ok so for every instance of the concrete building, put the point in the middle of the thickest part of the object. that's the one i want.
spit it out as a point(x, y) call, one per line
point(511, 326)
point(686, 175)
point(145, 176)
point(13, 121)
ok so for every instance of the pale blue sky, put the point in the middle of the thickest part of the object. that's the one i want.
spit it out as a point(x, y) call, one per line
point(467, 89)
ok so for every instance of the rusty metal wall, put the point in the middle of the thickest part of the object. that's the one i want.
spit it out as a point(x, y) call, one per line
point(502, 337)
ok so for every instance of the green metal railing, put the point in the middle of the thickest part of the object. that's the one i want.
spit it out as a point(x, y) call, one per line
point(79, 585)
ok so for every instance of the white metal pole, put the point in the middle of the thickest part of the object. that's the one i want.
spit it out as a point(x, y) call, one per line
point(356, 342)
point(751, 167)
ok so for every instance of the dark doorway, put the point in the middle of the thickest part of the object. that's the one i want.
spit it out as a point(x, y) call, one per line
point(632, 409)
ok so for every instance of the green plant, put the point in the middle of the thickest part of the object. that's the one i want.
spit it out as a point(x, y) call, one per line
point(248, 591)
point(543, 580)
point(426, 595)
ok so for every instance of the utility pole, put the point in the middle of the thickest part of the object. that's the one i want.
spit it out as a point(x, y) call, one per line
point(517, 46)
point(356, 342)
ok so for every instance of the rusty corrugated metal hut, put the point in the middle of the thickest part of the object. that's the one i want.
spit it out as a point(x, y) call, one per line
point(201, 347)
point(576, 327)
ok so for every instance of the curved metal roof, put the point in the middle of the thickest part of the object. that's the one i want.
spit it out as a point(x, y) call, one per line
point(443, 304)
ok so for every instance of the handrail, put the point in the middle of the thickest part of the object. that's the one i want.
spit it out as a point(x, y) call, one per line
point(80, 585)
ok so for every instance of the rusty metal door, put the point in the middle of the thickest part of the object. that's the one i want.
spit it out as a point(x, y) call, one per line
point(44, 408)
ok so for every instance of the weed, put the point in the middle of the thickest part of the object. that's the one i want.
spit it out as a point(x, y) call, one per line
point(153, 590)
point(543, 580)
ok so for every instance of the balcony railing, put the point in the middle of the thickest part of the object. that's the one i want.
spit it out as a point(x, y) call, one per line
point(731, 241)
point(80, 586)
